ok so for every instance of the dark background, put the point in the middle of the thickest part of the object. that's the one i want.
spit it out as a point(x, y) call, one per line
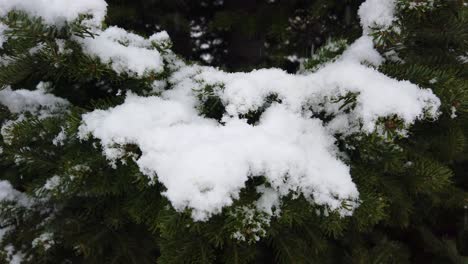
point(241, 34)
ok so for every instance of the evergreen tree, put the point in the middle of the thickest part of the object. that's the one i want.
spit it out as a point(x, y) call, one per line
point(76, 187)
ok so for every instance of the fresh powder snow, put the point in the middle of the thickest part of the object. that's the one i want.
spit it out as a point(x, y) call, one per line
point(204, 164)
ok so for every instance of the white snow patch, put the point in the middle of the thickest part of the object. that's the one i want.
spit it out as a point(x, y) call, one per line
point(52, 183)
point(57, 12)
point(377, 13)
point(253, 224)
point(14, 256)
point(4, 231)
point(379, 95)
point(124, 51)
point(8, 193)
point(269, 201)
point(60, 138)
point(45, 240)
point(463, 58)
point(453, 112)
point(362, 50)
point(3, 39)
point(19, 101)
point(160, 37)
point(204, 165)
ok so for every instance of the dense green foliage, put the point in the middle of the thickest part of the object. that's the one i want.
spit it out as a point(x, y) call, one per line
point(413, 190)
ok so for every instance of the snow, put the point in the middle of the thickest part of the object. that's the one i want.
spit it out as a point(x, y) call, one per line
point(38, 102)
point(4, 231)
point(421, 5)
point(14, 256)
point(160, 37)
point(57, 12)
point(463, 58)
point(60, 138)
point(453, 112)
point(52, 183)
point(269, 201)
point(45, 240)
point(252, 226)
point(62, 47)
point(21, 100)
point(379, 95)
point(124, 51)
point(3, 39)
point(362, 50)
point(9, 194)
point(377, 13)
point(204, 164)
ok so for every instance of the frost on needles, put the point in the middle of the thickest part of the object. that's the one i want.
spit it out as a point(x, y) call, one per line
point(203, 162)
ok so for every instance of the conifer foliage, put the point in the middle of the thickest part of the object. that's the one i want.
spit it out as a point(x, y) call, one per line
point(115, 149)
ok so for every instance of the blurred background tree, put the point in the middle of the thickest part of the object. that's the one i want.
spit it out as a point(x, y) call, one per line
point(241, 34)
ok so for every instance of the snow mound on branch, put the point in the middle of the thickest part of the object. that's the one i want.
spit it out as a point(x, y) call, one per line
point(204, 165)
point(124, 51)
point(19, 101)
point(38, 102)
point(378, 95)
point(57, 12)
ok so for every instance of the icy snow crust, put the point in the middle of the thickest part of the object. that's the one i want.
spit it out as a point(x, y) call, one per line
point(203, 163)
